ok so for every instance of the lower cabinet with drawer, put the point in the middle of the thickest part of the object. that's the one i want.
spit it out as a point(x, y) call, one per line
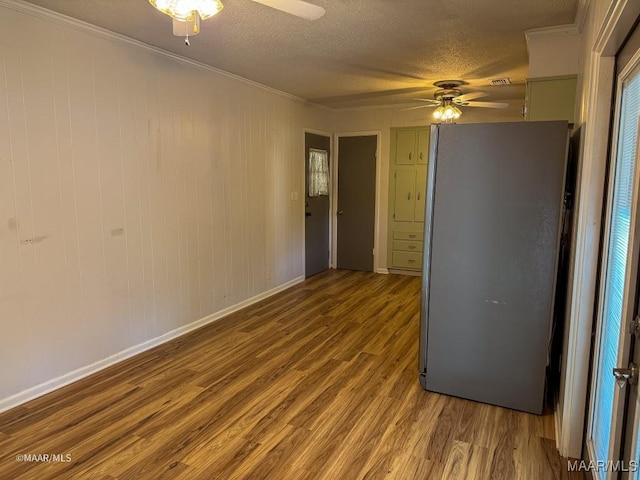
point(406, 250)
point(414, 236)
point(407, 246)
point(407, 260)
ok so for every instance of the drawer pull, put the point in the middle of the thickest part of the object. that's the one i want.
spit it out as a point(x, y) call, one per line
point(412, 247)
point(411, 260)
point(413, 235)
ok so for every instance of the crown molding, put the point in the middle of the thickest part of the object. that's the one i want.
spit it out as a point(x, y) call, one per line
point(66, 21)
point(574, 28)
point(555, 31)
point(581, 14)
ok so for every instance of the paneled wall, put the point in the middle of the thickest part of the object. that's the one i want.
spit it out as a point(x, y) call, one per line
point(138, 194)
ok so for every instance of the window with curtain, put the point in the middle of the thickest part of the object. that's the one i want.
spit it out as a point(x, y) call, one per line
point(318, 172)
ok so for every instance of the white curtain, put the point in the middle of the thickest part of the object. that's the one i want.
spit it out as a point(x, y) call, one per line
point(318, 173)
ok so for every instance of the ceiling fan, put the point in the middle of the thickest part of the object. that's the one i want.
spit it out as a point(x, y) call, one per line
point(449, 97)
point(186, 14)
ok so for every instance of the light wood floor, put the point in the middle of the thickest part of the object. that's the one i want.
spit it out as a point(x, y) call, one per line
point(318, 382)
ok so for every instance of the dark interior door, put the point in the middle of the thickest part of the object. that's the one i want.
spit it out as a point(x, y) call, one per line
point(316, 225)
point(356, 201)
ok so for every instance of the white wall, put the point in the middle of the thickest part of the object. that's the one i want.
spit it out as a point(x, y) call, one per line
point(382, 119)
point(138, 194)
point(554, 51)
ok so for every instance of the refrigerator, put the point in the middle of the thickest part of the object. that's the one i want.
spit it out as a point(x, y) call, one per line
point(494, 208)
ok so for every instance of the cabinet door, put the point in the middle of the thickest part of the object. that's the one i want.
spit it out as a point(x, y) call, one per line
point(405, 147)
point(405, 183)
point(421, 188)
point(423, 146)
point(551, 98)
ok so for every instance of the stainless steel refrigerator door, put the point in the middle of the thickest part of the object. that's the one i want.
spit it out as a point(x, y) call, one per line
point(497, 204)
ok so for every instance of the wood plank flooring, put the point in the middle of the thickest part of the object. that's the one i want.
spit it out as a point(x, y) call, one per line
point(317, 382)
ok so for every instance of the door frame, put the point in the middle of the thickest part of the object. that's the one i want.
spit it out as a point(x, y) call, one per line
point(334, 195)
point(597, 94)
point(330, 135)
point(629, 295)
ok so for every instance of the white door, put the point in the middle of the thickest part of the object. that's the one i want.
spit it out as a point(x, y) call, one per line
point(609, 402)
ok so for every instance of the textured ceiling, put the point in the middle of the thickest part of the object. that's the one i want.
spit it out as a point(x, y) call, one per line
point(361, 52)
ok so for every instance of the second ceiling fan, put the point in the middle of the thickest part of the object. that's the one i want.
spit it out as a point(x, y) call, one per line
point(449, 97)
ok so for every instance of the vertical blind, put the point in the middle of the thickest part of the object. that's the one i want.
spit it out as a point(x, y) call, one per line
point(614, 281)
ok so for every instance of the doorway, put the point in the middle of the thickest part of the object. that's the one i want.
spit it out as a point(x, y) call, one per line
point(317, 202)
point(612, 442)
point(356, 205)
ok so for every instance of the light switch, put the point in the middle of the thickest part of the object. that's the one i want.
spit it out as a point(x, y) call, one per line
point(294, 196)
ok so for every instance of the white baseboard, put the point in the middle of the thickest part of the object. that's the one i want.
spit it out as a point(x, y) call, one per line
point(383, 270)
point(67, 378)
point(410, 273)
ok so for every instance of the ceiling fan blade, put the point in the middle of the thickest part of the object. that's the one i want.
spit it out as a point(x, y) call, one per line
point(419, 106)
point(469, 96)
point(299, 8)
point(432, 103)
point(486, 104)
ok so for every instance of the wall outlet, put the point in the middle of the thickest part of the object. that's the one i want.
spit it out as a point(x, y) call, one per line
point(294, 196)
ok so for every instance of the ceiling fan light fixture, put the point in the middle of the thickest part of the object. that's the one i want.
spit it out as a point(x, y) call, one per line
point(186, 10)
point(447, 112)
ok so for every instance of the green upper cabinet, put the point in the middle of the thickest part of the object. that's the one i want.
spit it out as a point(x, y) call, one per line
point(551, 98)
point(410, 146)
point(405, 194)
point(405, 147)
point(423, 146)
point(421, 189)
